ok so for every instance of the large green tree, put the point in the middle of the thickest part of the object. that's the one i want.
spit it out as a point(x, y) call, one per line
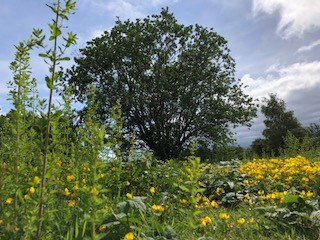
point(175, 83)
point(279, 123)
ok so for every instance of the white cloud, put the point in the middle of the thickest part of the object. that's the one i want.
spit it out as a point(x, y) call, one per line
point(285, 81)
point(308, 47)
point(296, 16)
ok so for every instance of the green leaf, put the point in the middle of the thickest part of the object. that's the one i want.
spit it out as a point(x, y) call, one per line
point(291, 199)
point(63, 59)
point(49, 83)
point(44, 55)
point(137, 203)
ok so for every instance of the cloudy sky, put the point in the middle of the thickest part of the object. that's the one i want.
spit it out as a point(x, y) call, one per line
point(275, 43)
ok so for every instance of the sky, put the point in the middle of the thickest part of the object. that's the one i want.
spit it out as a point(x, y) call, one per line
point(275, 43)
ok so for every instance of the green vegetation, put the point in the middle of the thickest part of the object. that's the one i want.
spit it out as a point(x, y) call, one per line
point(58, 182)
point(176, 83)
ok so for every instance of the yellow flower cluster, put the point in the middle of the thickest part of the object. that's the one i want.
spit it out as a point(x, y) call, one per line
point(157, 208)
point(224, 216)
point(241, 220)
point(205, 221)
point(298, 170)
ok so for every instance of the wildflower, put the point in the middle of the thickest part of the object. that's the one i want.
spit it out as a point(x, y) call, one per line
point(246, 182)
point(71, 203)
point(59, 163)
point(102, 228)
point(219, 191)
point(205, 221)
point(252, 220)
point(95, 191)
point(224, 216)
point(129, 195)
point(309, 194)
point(214, 204)
point(36, 180)
point(241, 221)
point(183, 201)
point(75, 187)
point(26, 197)
point(157, 208)
point(152, 190)
point(179, 180)
point(32, 190)
point(70, 178)
point(129, 236)
point(127, 183)
point(66, 192)
point(102, 175)
point(305, 179)
point(9, 201)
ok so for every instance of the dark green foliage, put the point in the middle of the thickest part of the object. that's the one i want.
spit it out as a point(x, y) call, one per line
point(175, 83)
point(279, 123)
point(313, 132)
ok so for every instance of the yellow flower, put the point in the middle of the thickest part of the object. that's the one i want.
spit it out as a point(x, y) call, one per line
point(129, 195)
point(252, 220)
point(9, 200)
point(26, 197)
point(309, 194)
point(66, 192)
point(157, 208)
point(95, 191)
point(59, 163)
point(205, 221)
point(102, 228)
point(36, 180)
point(32, 190)
point(224, 216)
point(183, 201)
point(214, 204)
point(70, 178)
point(219, 191)
point(75, 187)
point(129, 236)
point(71, 203)
point(241, 221)
point(152, 190)
point(127, 183)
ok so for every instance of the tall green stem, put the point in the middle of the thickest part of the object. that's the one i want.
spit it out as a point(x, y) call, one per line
point(47, 135)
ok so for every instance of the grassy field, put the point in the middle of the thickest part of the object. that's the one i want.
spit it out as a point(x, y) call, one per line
point(145, 199)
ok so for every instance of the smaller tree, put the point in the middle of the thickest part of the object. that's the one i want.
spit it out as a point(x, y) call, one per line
point(259, 146)
point(313, 132)
point(279, 123)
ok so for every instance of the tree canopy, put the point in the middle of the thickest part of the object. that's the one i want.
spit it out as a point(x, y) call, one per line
point(175, 83)
point(279, 123)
